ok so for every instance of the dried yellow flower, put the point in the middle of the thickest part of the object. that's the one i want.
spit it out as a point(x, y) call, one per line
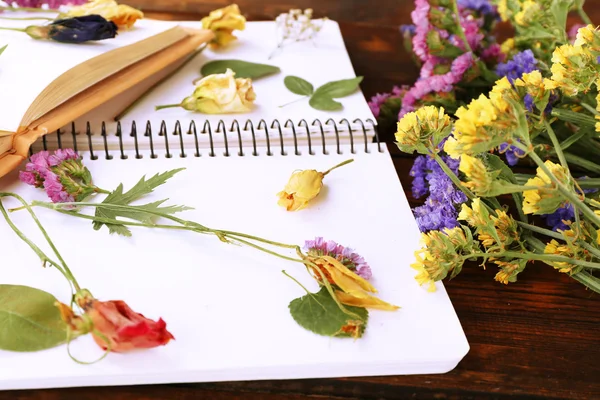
point(121, 14)
point(223, 22)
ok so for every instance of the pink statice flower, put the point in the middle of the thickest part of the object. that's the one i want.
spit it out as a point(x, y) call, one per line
point(51, 4)
point(377, 101)
point(61, 174)
point(345, 255)
point(420, 17)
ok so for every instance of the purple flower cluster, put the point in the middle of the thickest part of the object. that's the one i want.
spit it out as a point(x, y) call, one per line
point(481, 6)
point(521, 63)
point(512, 153)
point(52, 4)
point(379, 99)
point(555, 220)
point(42, 172)
point(345, 255)
point(440, 208)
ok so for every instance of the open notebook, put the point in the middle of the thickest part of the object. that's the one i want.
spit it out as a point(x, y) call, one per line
point(226, 305)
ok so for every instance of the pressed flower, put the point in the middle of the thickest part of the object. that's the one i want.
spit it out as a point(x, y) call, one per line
point(219, 94)
point(121, 14)
point(116, 327)
point(302, 187)
point(223, 22)
point(420, 130)
point(75, 30)
point(354, 290)
point(351, 260)
point(545, 199)
point(62, 175)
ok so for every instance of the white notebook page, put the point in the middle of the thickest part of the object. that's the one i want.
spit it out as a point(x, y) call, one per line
point(227, 305)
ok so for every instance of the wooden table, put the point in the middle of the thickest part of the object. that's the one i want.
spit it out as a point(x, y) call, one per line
point(538, 338)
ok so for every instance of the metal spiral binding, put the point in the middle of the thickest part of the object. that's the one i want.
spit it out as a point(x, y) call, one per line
point(302, 130)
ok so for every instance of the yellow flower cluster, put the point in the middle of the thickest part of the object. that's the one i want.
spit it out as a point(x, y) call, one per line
point(588, 36)
point(509, 270)
point(417, 129)
point(480, 180)
point(528, 13)
point(598, 108)
point(485, 123)
point(566, 250)
point(121, 14)
point(545, 199)
point(491, 230)
point(535, 85)
point(574, 68)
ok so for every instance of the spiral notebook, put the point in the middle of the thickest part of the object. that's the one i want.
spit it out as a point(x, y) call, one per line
point(227, 305)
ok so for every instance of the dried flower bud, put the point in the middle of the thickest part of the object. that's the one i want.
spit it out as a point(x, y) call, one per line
point(75, 30)
point(302, 187)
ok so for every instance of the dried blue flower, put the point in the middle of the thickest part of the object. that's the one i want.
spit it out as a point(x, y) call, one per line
point(523, 62)
point(75, 30)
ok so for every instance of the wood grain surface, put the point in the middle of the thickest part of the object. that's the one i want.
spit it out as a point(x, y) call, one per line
point(538, 338)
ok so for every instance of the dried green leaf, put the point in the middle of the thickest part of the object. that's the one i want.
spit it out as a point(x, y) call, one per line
point(324, 103)
point(298, 86)
point(29, 320)
point(242, 69)
point(319, 313)
point(142, 188)
point(337, 89)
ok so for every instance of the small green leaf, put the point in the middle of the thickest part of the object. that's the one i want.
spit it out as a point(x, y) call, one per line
point(337, 89)
point(242, 69)
point(29, 320)
point(142, 188)
point(3, 48)
point(298, 85)
point(319, 313)
point(324, 103)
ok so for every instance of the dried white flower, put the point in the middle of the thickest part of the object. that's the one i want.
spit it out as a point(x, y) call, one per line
point(297, 26)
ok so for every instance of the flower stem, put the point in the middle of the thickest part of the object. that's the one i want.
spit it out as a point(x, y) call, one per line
point(337, 166)
point(292, 102)
point(99, 190)
point(27, 18)
point(539, 230)
point(259, 239)
point(31, 9)
point(135, 102)
point(587, 280)
point(557, 148)
point(12, 29)
point(582, 162)
point(550, 258)
point(296, 280)
point(461, 31)
point(166, 106)
point(583, 15)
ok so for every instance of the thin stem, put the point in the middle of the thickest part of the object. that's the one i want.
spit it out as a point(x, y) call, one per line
point(292, 102)
point(339, 165)
point(537, 257)
point(244, 235)
point(518, 199)
point(557, 148)
point(587, 280)
point(135, 102)
point(166, 106)
point(12, 29)
point(98, 190)
point(589, 183)
point(461, 32)
point(539, 230)
point(590, 109)
point(32, 9)
point(296, 280)
point(273, 253)
point(584, 17)
point(27, 18)
point(453, 177)
point(582, 162)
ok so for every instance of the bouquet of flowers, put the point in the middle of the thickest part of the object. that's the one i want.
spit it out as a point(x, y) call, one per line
point(479, 109)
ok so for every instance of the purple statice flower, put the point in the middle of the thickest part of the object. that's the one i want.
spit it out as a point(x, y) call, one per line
point(345, 255)
point(408, 29)
point(555, 220)
point(523, 62)
point(493, 54)
point(61, 155)
point(512, 153)
point(52, 4)
point(420, 17)
point(439, 210)
point(528, 101)
point(473, 33)
point(436, 83)
point(36, 169)
point(377, 101)
point(55, 189)
point(483, 7)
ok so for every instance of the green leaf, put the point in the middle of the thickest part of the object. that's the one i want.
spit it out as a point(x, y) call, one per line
point(242, 69)
point(560, 10)
point(319, 313)
point(324, 103)
point(298, 85)
point(29, 320)
point(337, 89)
point(142, 188)
point(3, 48)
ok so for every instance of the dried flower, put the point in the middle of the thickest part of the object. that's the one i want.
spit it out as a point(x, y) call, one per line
point(219, 94)
point(521, 63)
point(116, 327)
point(545, 199)
point(353, 289)
point(351, 260)
point(121, 14)
point(423, 129)
point(62, 174)
point(302, 187)
point(223, 22)
point(574, 69)
point(509, 270)
point(75, 30)
point(480, 180)
point(297, 26)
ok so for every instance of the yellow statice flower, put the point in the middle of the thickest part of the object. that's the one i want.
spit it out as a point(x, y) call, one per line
point(569, 250)
point(536, 85)
point(508, 46)
point(223, 22)
point(588, 36)
point(509, 270)
point(418, 130)
point(545, 199)
point(574, 69)
point(503, 10)
point(528, 13)
point(480, 180)
point(500, 229)
point(598, 108)
point(486, 122)
point(475, 216)
point(423, 277)
point(354, 290)
point(121, 14)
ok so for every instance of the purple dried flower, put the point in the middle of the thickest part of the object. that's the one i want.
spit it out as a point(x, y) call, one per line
point(52, 4)
point(61, 155)
point(345, 255)
point(55, 189)
point(493, 54)
point(408, 29)
point(512, 153)
point(523, 62)
point(376, 103)
point(564, 213)
point(420, 17)
point(481, 6)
